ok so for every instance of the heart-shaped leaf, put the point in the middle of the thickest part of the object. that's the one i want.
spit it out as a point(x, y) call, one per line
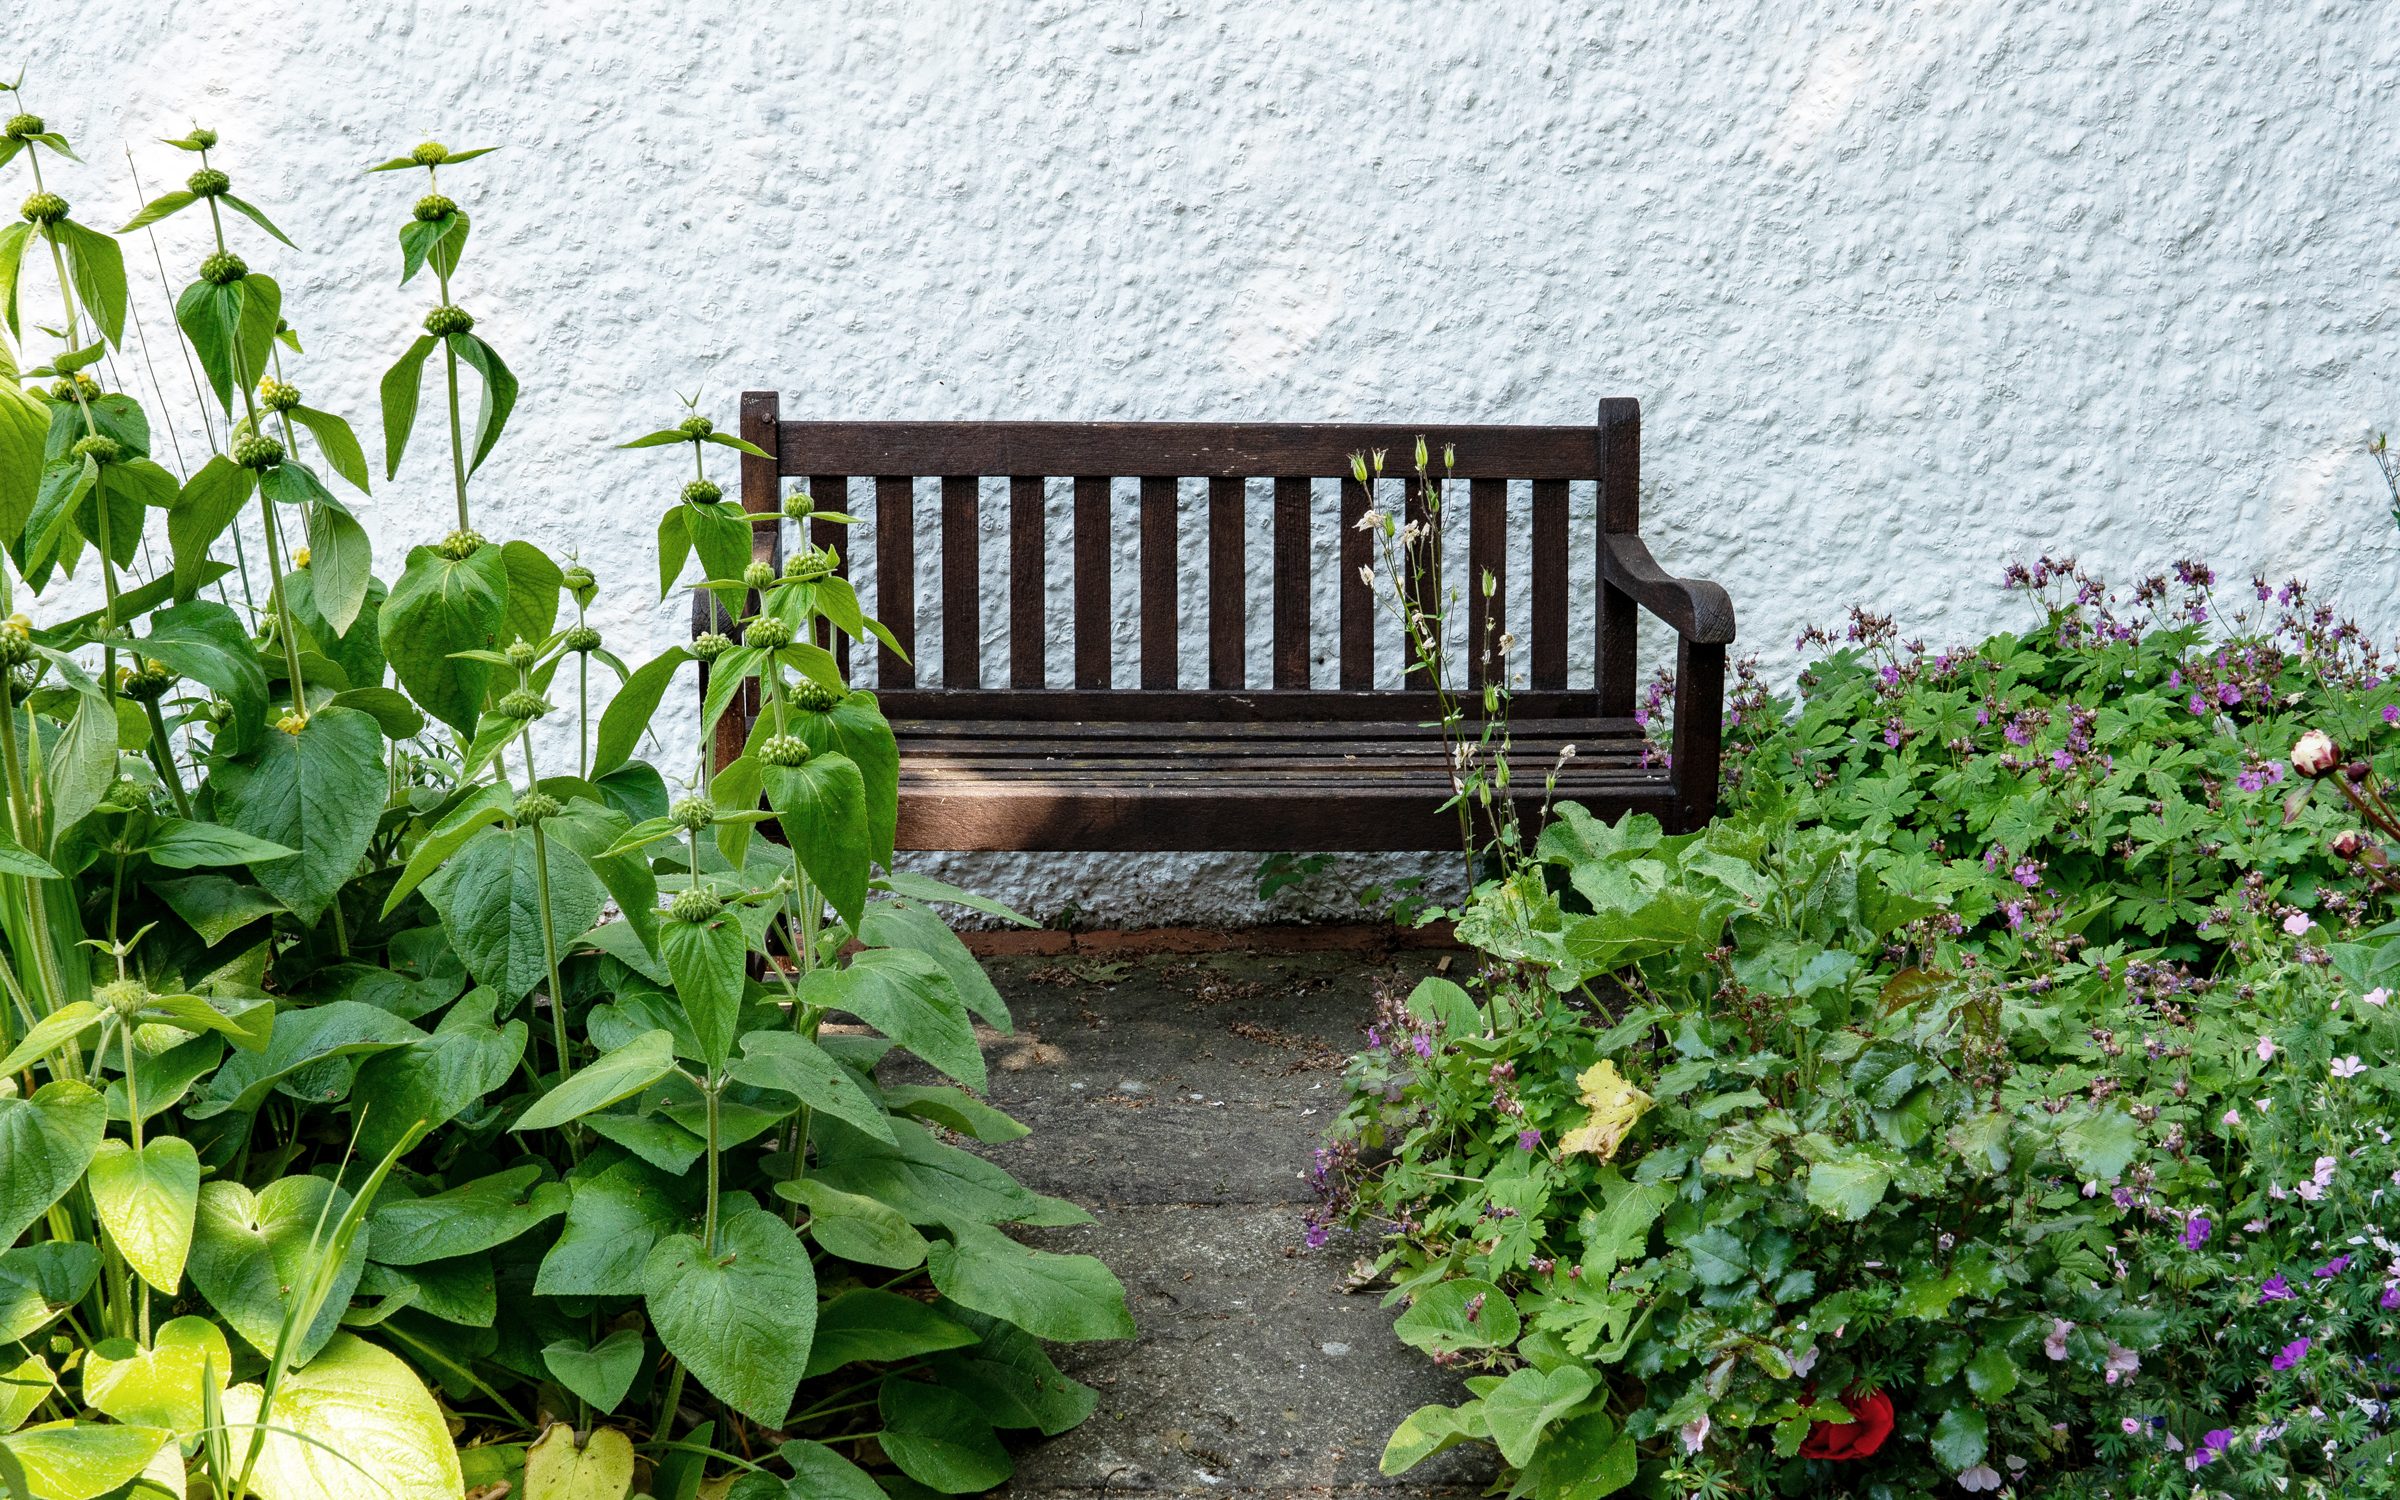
point(46, 1142)
point(146, 1200)
point(601, 1374)
point(1063, 1298)
point(558, 1468)
point(741, 1320)
point(250, 1250)
point(160, 1386)
point(939, 1438)
point(38, 1282)
point(357, 1425)
point(76, 1461)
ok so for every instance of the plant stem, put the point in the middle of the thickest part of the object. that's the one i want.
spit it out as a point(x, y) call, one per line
point(162, 755)
point(714, 1088)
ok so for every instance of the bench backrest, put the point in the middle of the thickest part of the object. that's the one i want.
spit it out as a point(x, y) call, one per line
point(826, 456)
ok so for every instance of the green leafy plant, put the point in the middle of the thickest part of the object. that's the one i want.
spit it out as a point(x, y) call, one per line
point(373, 1084)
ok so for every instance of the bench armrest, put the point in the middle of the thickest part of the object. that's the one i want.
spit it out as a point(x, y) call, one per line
point(1700, 611)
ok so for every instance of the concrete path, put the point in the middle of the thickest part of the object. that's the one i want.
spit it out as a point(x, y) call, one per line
point(1178, 1098)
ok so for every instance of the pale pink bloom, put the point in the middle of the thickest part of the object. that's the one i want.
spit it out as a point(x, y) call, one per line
point(2121, 1361)
point(1806, 1362)
point(2325, 1169)
point(2314, 754)
point(2266, 1049)
point(2308, 1191)
point(2255, 1226)
point(2376, 996)
point(2297, 924)
point(2091, 1189)
point(1695, 1432)
point(1981, 1477)
point(2348, 1067)
point(2233, 1117)
point(2276, 1192)
point(2056, 1344)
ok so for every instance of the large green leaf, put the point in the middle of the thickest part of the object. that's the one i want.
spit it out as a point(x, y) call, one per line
point(24, 423)
point(401, 385)
point(437, 608)
point(160, 1386)
point(252, 1251)
point(207, 504)
point(342, 561)
point(490, 899)
point(77, 1461)
point(207, 642)
point(628, 714)
point(357, 1425)
point(499, 393)
point(337, 442)
point(179, 845)
point(533, 585)
point(911, 924)
point(589, 828)
point(856, 729)
point(854, 1227)
point(741, 1320)
point(721, 534)
point(1529, 1400)
point(2101, 1142)
point(1849, 1183)
point(146, 1200)
point(627, 1070)
point(474, 1216)
point(1063, 1298)
point(83, 764)
point(617, 1216)
point(216, 906)
point(98, 268)
point(1010, 1375)
point(358, 650)
point(706, 960)
point(1463, 1313)
point(601, 1373)
point(940, 1439)
point(46, 1142)
point(917, 1176)
point(791, 1062)
point(822, 807)
point(320, 791)
point(42, 1280)
point(818, 1473)
point(467, 1057)
point(340, 1029)
point(906, 996)
point(869, 1325)
point(1961, 1438)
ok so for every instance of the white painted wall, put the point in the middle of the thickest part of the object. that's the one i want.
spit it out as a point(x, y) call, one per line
point(1907, 289)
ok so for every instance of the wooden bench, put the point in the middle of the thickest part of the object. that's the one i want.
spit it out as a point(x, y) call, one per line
point(999, 756)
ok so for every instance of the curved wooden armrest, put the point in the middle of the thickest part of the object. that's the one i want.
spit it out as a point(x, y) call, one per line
point(1700, 611)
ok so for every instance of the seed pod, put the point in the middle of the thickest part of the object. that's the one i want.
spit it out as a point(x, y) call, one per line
point(799, 505)
point(256, 450)
point(45, 208)
point(203, 138)
point(582, 638)
point(430, 155)
point(579, 578)
point(434, 206)
point(278, 395)
point(815, 696)
point(21, 126)
point(811, 563)
point(458, 546)
point(694, 813)
point(524, 703)
point(768, 633)
point(105, 450)
point(208, 182)
point(124, 996)
point(710, 646)
point(695, 428)
point(522, 653)
point(535, 806)
point(71, 387)
point(448, 319)
point(150, 683)
point(759, 575)
point(223, 268)
point(702, 492)
point(694, 906)
point(783, 750)
point(16, 641)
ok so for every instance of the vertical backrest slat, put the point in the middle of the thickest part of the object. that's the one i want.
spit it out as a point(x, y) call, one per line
point(1226, 503)
point(1158, 581)
point(1357, 596)
point(962, 583)
point(1028, 582)
point(1620, 512)
point(1424, 581)
point(1092, 564)
point(1549, 602)
point(1291, 583)
point(896, 577)
point(832, 492)
point(1487, 552)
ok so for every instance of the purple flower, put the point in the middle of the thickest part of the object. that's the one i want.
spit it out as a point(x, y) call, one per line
point(1318, 1234)
point(2198, 705)
point(1983, 713)
point(2196, 1231)
point(2122, 1197)
point(2129, 1425)
point(2275, 1290)
point(2332, 1268)
point(2391, 1297)
point(2391, 713)
point(2229, 695)
point(2252, 779)
point(2292, 1354)
point(1891, 737)
point(1374, 1036)
point(2062, 760)
point(1529, 1140)
point(1424, 1044)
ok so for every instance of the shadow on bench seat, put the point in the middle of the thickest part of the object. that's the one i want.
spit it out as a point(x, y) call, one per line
point(1237, 766)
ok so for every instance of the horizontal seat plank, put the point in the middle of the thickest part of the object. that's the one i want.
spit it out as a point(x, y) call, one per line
point(1177, 707)
point(1184, 450)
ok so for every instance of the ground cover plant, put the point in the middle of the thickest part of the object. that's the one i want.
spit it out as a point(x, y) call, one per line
point(1998, 1097)
point(402, 1096)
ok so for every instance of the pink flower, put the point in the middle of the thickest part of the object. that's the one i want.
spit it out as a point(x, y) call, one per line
point(2121, 1362)
point(2129, 1425)
point(2266, 1049)
point(1806, 1362)
point(2309, 1191)
point(1695, 1432)
point(2391, 713)
point(2348, 1067)
point(2326, 1166)
point(2233, 1117)
point(1981, 1477)
point(2297, 924)
point(2314, 754)
point(2056, 1344)
point(2376, 996)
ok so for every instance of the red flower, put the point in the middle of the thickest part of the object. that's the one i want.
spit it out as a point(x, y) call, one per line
point(1871, 1424)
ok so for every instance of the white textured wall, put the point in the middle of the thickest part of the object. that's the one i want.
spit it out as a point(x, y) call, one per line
point(1906, 289)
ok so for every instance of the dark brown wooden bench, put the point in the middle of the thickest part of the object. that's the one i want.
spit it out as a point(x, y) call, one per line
point(1001, 757)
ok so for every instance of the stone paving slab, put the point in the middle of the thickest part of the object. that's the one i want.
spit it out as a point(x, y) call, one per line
point(1178, 1098)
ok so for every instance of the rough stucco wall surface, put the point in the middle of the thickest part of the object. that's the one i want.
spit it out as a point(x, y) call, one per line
point(1906, 289)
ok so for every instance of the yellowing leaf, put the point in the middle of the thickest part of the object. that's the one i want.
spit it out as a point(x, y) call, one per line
point(557, 1469)
point(1615, 1105)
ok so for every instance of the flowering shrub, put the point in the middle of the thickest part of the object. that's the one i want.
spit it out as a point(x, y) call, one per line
point(1998, 1098)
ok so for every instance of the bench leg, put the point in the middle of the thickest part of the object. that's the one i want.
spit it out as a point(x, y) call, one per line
point(1699, 732)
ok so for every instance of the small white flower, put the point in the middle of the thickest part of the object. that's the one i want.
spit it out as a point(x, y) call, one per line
point(1366, 575)
point(2348, 1067)
point(1806, 1362)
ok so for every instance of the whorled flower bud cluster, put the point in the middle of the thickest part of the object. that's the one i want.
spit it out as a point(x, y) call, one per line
point(292, 723)
point(709, 646)
point(223, 268)
point(22, 126)
point(278, 395)
point(522, 653)
point(759, 575)
point(524, 703)
point(694, 906)
point(783, 750)
point(581, 638)
point(533, 807)
point(147, 685)
point(431, 154)
point(702, 492)
point(809, 564)
point(814, 696)
point(299, 557)
point(202, 137)
point(100, 449)
point(579, 578)
point(458, 546)
point(695, 428)
point(434, 206)
point(693, 814)
point(799, 505)
point(448, 319)
point(127, 997)
point(256, 450)
point(16, 641)
point(45, 208)
point(208, 182)
point(768, 633)
point(75, 386)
